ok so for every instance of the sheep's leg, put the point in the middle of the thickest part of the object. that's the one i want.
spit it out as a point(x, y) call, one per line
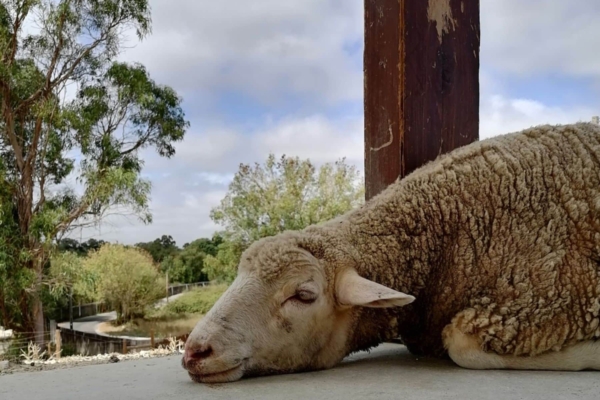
point(465, 350)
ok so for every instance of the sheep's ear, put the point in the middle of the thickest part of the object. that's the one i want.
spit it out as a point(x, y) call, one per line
point(354, 290)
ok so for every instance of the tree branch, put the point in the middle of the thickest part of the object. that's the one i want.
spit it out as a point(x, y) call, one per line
point(57, 50)
point(14, 40)
point(37, 131)
point(42, 175)
point(10, 130)
point(64, 75)
point(138, 144)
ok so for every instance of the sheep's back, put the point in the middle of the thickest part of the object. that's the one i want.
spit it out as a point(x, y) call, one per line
point(507, 227)
point(526, 254)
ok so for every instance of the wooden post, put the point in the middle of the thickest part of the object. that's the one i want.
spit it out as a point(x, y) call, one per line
point(152, 338)
point(58, 341)
point(52, 330)
point(124, 350)
point(421, 89)
point(71, 308)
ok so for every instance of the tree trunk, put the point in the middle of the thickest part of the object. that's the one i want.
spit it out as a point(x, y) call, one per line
point(35, 311)
point(3, 310)
point(38, 320)
point(26, 318)
point(38, 307)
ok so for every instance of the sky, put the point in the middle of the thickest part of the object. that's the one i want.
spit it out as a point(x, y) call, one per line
point(277, 76)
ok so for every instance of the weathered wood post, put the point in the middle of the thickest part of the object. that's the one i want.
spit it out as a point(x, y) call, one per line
point(421, 88)
point(58, 341)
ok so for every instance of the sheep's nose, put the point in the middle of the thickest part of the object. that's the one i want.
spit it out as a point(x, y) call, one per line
point(197, 351)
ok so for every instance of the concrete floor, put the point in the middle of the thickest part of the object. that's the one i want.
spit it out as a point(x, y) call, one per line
point(389, 372)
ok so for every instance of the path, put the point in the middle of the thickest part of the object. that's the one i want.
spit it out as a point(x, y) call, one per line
point(389, 372)
point(90, 324)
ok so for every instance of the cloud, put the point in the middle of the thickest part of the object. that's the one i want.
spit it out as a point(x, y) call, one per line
point(268, 49)
point(215, 178)
point(236, 62)
point(315, 137)
point(500, 115)
point(548, 37)
point(205, 164)
point(218, 151)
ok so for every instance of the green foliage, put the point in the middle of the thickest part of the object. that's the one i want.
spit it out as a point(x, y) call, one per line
point(124, 278)
point(205, 245)
point(160, 248)
point(13, 279)
point(185, 265)
point(66, 274)
point(196, 301)
point(118, 110)
point(288, 194)
point(188, 264)
point(62, 274)
point(222, 267)
point(284, 194)
point(81, 249)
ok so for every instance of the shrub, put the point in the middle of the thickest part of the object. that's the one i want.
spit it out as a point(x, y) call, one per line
point(125, 278)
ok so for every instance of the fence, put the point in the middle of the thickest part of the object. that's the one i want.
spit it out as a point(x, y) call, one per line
point(176, 289)
point(70, 342)
point(84, 310)
point(89, 344)
point(12, 348)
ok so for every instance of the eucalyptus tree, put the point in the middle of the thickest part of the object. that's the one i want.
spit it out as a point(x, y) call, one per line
point(73, 122)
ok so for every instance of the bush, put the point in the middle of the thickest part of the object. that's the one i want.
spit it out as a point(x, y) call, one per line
point(196, 301)
point(125, 278)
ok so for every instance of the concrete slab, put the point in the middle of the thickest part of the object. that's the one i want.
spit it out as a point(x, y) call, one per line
point(389, 372)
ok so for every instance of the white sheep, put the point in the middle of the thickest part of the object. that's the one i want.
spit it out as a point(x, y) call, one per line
point(490, 254)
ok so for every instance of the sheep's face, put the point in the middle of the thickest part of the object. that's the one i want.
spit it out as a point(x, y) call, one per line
point(285, 312)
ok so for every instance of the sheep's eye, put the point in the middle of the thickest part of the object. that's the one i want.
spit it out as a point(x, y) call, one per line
point(304, 296)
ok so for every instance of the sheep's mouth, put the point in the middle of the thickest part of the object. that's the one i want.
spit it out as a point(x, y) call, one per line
point(229, 375)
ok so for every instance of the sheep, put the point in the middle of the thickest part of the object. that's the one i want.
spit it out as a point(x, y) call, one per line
point(488, 256)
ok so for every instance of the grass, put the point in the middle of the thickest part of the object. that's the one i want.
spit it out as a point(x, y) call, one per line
point(178, 317)
point(140, 327)
point(196, 301)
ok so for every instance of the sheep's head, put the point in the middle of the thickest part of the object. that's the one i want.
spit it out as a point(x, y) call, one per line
point(287, 311)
